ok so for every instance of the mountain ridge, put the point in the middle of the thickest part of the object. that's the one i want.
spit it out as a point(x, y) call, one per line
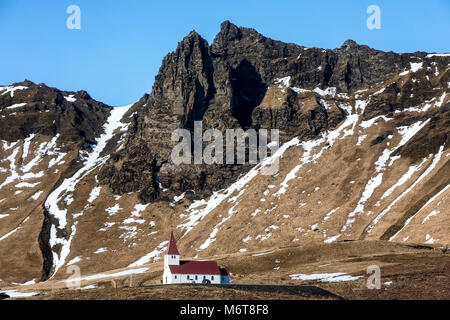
point(364, 138)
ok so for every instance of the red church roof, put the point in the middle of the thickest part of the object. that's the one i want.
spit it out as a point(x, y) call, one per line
point(192, 267)
point(196, 267)
point(172, 246)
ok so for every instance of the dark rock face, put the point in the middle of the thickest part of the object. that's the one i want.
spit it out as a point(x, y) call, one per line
point(235, 83)
point(38, 109)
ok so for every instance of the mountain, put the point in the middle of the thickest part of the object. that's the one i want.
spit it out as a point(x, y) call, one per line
point(364, 138)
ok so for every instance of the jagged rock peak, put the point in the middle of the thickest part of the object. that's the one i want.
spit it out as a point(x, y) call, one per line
point(83, 94)
point(229, 30)
point(25, 82)
point(228, 33)
point(349, 44)
point(192, 40)
point(192, 35)
point(193, 48)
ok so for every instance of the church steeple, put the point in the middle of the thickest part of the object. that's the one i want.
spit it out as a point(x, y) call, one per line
point(171, 255)
point(172, 246)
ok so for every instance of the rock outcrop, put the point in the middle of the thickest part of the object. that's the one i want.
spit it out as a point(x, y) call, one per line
point(28, 108)
point(234, 83)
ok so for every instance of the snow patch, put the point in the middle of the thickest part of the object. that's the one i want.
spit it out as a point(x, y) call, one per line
point(415, 66)
point(108, 275)
point(70, 98)
point(368, 123)
point(283, 82)
point(36, 195)
point(154, 255)
point(412, 169)
point(113, 210)
point(328, 215)
point(73, 261)
point(11, 89)
point(331, 91)
point(94, 194)
point(14, 230)
point(438, 55)
point(431, 214)
point(17, 105)
point(100, 250)
point(18, 294)
point(325, 277)
point(332, 239)
point(68, 185)
point(436, 159)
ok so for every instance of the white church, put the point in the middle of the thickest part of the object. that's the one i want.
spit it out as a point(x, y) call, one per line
point(203, 272)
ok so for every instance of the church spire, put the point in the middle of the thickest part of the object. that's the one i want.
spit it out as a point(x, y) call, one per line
point(172, 246)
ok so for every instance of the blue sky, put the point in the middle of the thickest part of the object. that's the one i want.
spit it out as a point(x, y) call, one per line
point(118, 50)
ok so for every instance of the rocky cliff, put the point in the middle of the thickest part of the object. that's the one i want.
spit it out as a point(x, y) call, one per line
point(231, 84)
point(364, 138)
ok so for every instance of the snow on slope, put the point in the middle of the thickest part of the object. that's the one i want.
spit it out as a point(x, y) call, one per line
point(436, 159)
point(17, 105)
point(325, 277)
point(18, 294)
point(329, 138)
point(352, 127)
point(212, 235)
point(195, 215)
point(152, 256)
point(108, 275)
point(11, 89)
point(21, 170)
point(92, 162)
point(380, 165)
point(14, 230)
point(425, 205)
